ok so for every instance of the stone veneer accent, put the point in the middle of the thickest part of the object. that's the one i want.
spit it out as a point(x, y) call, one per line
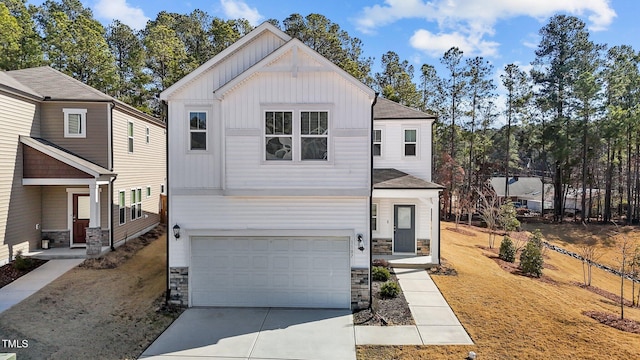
point(424, 247)
point(94, 242)
point(105, 237)
point(359, 289)
point(382, 246)
point(59, 239)
point(179, 286)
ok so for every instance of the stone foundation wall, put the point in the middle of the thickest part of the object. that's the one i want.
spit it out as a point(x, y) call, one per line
point(59, 239)
point(105, 237)
point(382, 246)
point(179, 286)
point(424, 247)
point(359, 289)
point(94, 242)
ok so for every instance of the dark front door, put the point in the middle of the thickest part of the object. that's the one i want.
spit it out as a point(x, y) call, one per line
point(404, 220)
point(80, 218)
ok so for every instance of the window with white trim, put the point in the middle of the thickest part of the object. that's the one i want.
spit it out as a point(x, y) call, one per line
point(122, 207)
point(75, 123)
point(278, 129)
point(377, 142)
point(374, 217)
point(136, 203)
point(161, 188)
point(314, 135)
point(197, 130)
point(130, 136)
point(296, 136)
point(148, 191)
point(410, 142)
point(148, 133)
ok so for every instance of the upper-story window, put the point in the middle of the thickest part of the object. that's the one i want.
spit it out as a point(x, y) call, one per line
point(297, 136)
point(278, 129)
point(410, 142)
point(377, 142)
point(197, 130)
point(148, 134)
point(75, 123)
point(314, 134)
point(130, 136)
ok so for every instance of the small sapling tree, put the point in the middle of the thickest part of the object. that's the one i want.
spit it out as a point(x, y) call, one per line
point(507, 250)
point(531, 260)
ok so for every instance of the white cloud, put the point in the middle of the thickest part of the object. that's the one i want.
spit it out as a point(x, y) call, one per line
point(120, 10)
point(466, 23)
point(237, 9)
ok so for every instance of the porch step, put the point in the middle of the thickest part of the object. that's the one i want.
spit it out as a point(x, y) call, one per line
point(63, 253)
point(407, 262)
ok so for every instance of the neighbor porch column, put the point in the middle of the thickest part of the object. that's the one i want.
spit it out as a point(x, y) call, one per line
point(94, 231)
point(435, 229)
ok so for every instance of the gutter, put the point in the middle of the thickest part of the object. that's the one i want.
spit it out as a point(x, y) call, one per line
point(375, 100)
point(165, 109)
point(113, 179)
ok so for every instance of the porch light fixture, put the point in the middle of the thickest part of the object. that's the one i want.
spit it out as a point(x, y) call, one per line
point(360, 243)
point(176, 231)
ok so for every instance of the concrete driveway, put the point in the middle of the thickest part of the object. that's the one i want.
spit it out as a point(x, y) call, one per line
point(257, 333)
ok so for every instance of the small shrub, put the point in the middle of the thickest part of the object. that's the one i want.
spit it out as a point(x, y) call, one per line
point(390, 289)
point(379, 273)
point(507, 250)
point(22, 263)
point(531, 260)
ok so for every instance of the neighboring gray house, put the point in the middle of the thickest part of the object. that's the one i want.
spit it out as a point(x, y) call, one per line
point(527, 191)
point(76, 165)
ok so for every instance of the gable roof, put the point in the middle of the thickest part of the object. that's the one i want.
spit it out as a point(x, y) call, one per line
point(385, 109)
point(9, 83)
point(253, 34)
point(54, 85)
point(396, 179)
point(291, 45)
point(520, 186)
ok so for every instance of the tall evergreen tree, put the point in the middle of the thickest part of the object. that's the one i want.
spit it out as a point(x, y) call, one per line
point(19, 39)
point(395, 81)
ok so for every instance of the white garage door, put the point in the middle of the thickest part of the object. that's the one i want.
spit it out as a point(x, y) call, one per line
point(270, 272)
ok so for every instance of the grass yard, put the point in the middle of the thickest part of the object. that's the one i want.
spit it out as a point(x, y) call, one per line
point(514, 317)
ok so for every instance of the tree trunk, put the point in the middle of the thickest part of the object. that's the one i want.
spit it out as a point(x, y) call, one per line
point(606, 217)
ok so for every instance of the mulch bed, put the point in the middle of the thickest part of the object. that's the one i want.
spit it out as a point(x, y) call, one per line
point(388, 311)
point(513, 267)
point(614, 321)
point(462, 231)
point(8, 273)
point(604, 293)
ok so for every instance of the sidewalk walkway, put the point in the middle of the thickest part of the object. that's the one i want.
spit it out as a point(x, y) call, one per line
point(436, 324)
point(28, 284)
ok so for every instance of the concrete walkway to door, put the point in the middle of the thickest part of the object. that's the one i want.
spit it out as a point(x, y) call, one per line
point(257, 333)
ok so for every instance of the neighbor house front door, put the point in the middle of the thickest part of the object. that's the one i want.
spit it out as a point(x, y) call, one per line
point(81, 215)
point(404, 228)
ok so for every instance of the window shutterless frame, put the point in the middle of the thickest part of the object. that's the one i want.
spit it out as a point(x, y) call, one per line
point(75, 123)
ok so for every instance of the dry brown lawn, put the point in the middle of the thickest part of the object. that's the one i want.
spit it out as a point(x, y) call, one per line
point(91, 313)
point(514, 317)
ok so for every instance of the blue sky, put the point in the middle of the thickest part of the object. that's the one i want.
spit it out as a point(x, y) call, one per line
point(420, 31)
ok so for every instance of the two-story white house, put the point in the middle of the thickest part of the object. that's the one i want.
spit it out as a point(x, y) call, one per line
point(269, 179)
point(279, 178)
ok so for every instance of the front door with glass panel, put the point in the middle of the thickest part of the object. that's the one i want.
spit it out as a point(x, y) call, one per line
point(81, 215)
point(404, 229)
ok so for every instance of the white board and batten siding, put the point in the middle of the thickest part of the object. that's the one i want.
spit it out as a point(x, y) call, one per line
point(392, 155)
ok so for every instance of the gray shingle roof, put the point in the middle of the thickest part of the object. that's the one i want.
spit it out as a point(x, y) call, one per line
point(55, 85)
point(385, 109)
point(396, 179)
point(523, 186)
point(7, 81)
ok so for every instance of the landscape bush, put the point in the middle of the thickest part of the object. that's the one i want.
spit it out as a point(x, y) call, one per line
point(22, 263)
point(378, 273)
point(389, 289)
point(507, 250)
point(531, 260)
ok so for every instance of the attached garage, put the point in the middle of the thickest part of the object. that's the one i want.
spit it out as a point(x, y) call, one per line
point(270, 272)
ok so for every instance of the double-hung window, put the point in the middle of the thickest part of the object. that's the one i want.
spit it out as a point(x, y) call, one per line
point(75, 122)
point(374, 217)
point(130, 136)
point(296, 135)
point(314, 133)
point(377, 142)
point(197, 130)
point(278, 127)
point(122, 207)
point(136, 203)
point(410, 142)
point(148, 135)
